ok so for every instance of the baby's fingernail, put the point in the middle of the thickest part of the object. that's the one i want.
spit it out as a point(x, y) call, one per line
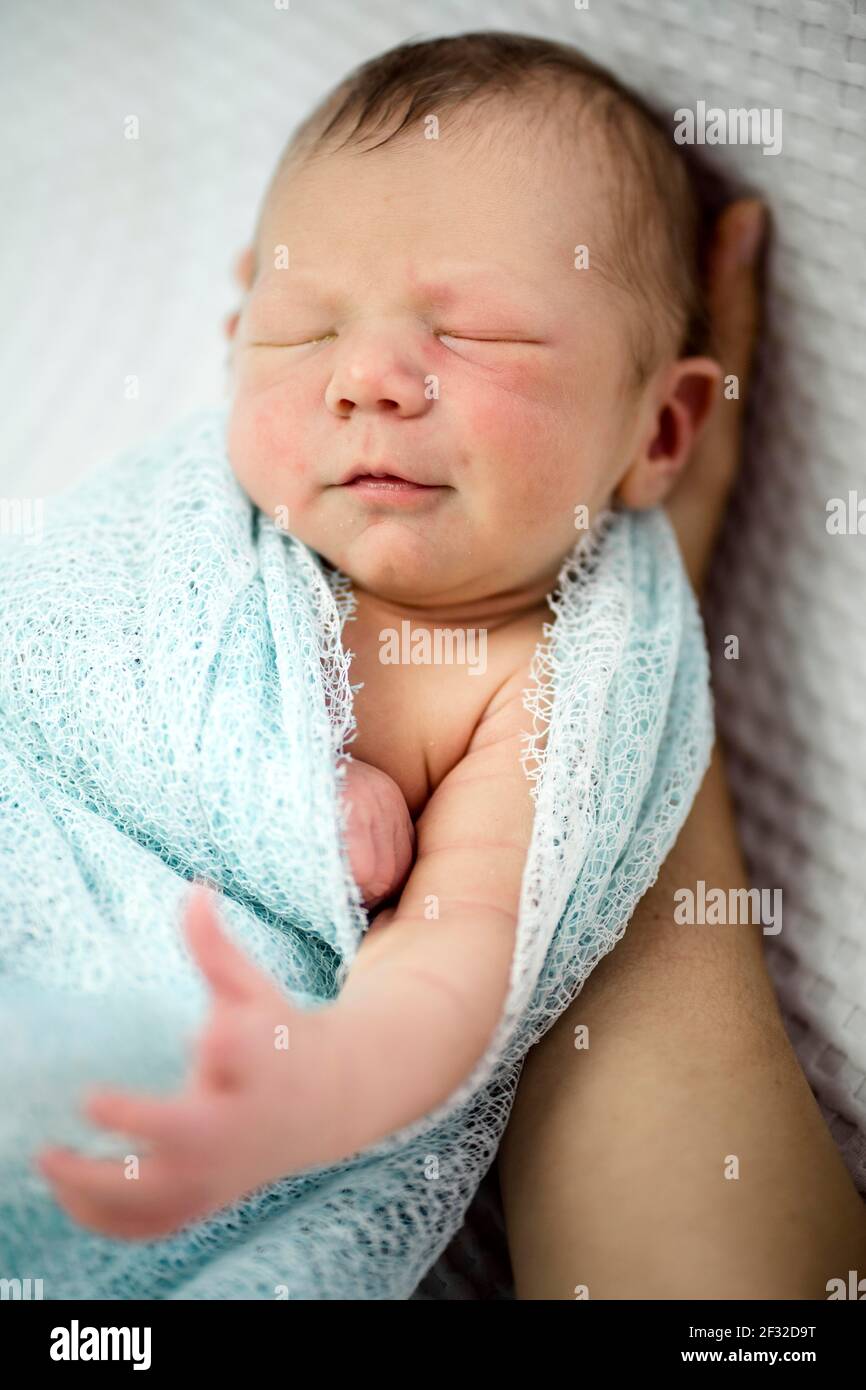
point(750, 233)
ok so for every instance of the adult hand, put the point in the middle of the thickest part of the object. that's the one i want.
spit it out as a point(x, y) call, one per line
point(697, 504)
point(611, 1167)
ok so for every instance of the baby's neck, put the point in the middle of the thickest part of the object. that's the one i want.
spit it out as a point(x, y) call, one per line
point(491, 613)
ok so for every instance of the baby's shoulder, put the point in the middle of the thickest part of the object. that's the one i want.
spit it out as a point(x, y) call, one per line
point(505, 714)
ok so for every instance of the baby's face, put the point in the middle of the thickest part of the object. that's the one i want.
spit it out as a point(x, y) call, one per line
point(431, 324)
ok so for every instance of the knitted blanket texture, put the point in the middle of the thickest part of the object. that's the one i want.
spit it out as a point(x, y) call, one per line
point(175, 703)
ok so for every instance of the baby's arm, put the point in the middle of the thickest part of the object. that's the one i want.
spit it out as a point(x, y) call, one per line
point(423, 997)
point(416, 1011)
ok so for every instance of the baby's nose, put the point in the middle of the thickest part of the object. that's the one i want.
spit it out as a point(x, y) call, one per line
point(378, 380)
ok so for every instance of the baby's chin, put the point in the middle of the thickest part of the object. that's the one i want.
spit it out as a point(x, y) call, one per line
point(389, 561)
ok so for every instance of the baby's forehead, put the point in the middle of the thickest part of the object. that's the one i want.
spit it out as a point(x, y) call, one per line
point(564, 152)
point(467, 192)
point(548, 198)
point(435, 281)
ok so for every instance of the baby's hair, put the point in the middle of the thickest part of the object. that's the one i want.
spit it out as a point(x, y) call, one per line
point(658, 224)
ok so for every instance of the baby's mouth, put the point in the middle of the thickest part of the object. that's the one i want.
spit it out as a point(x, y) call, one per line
point(387, 481)
point(390, 488)
point(379, 472)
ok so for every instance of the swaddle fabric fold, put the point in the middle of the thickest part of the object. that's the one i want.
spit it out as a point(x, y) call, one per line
point(175, 703)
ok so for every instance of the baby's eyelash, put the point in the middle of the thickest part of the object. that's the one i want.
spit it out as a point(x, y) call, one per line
point(305, 342)
point(437, 333)
point(470, 338)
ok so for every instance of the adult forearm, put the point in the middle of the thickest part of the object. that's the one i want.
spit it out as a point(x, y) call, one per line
point(618, 1165)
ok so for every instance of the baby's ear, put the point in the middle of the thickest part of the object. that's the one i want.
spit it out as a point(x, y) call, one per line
point(243, 273)
point(244, 267)
point(682, 402)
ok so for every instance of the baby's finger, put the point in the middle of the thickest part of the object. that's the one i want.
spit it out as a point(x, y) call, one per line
point(167, 1123)
point(100, 1194)
point(229, 972)
point(90, 1186)
point(91, 1176)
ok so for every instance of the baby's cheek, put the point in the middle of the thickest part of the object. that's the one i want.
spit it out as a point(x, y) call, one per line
point(502, 419)
point(266, 450)
point(522, 442)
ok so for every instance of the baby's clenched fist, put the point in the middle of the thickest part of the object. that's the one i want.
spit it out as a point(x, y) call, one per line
point(380, 838)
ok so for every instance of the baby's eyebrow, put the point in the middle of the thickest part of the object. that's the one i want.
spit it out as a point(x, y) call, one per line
point(441, 289)
point(274, 281)
point(447, 288)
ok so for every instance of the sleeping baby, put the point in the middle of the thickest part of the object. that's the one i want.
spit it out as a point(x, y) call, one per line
point(472, 326)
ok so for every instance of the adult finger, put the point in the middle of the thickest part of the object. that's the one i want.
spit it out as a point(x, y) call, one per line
point(733, 291)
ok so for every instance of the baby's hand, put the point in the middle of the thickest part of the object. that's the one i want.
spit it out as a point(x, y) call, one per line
point(380, 839)
point(268, 1094)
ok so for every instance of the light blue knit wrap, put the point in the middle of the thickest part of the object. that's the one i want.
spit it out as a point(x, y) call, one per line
point(174, 703)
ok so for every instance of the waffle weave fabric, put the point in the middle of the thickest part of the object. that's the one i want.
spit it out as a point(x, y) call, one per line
point(175, 703)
